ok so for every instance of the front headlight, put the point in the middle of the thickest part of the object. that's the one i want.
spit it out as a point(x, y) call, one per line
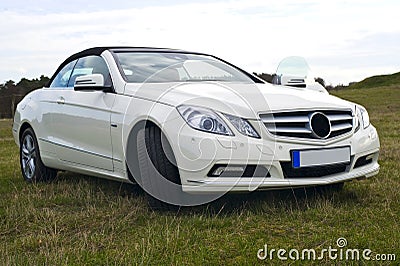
point(243, 126)
point(204, 119)
point(362, 117)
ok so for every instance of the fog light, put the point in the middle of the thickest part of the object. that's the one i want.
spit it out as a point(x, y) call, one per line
point(225, 170)
point(228, 169)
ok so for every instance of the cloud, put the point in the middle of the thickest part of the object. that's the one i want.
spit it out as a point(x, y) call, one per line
point(339, 38)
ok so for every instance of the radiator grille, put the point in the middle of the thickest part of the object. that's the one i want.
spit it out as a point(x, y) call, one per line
point(298, 124)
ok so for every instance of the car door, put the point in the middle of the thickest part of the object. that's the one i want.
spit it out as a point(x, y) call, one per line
point(81, 123)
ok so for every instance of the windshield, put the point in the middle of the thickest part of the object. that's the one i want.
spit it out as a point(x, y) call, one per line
point(139, 67)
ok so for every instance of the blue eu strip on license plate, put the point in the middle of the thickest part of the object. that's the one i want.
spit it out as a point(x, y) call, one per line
point(308, 158)
point(296, 159)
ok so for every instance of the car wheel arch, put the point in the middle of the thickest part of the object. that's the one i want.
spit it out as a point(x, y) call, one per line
point(24, 126)
point(131, 154)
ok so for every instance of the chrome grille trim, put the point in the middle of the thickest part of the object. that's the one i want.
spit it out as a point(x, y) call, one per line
point(290, 130)
point(298, 119)
point(340, 117)
point(297, 124)
point(341, 127)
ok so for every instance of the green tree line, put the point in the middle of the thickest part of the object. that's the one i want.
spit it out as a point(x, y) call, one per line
point(11, 93)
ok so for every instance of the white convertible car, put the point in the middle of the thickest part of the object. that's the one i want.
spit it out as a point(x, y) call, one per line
point(188, 127)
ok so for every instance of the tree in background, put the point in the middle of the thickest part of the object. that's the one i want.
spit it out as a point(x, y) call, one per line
point(266, 77)
point(11, 93)
point(320, 81)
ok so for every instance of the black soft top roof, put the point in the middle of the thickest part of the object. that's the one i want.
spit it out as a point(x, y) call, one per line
point(100, 50)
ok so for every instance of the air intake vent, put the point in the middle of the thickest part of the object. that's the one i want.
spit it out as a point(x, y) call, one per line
point(318, 124)
point(314, 171)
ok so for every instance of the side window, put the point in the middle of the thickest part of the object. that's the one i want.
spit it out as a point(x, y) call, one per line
point(90, 65)
point(62, 78)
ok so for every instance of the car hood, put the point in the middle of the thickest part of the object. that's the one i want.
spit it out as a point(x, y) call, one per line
point(244, 100)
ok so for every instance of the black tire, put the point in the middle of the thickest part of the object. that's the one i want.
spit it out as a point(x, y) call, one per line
point(155, 154)
point(32, 168)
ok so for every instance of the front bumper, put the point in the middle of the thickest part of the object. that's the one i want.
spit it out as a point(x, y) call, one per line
point(198, 152)
point(267, 183)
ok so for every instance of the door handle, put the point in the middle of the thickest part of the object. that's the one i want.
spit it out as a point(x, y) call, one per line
point(61, 100)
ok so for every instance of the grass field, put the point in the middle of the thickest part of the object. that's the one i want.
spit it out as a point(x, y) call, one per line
point(83, 220)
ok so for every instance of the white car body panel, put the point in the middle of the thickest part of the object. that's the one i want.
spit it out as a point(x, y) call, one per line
point(88, 131)
point(240, 96)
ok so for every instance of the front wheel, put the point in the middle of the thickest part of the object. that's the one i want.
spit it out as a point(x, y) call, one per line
point(156, 162)
point(32, 168)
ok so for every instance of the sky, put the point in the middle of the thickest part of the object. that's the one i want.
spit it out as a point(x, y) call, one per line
point(343, 41)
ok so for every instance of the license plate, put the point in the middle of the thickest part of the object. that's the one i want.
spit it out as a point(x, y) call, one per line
point(306, 158)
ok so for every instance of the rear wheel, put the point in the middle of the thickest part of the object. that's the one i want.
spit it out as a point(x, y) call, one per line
point(32, 168)
point(156, 161)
